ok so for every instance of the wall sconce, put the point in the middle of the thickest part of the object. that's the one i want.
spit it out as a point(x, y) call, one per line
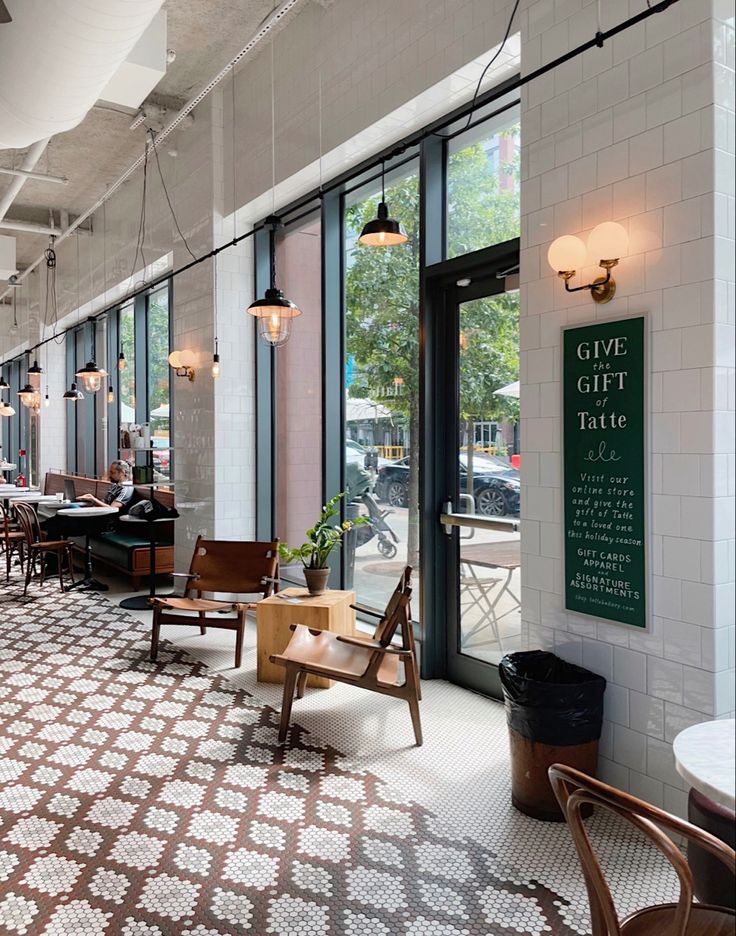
point(178, 360)
point(567, 255)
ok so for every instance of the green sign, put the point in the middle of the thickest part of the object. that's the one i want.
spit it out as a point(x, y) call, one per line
point(604, 468)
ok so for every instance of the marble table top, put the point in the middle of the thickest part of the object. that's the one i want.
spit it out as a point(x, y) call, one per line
point(705, 756)
point(87, 511)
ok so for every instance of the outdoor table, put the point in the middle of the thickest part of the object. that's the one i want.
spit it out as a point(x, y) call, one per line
point(705, 757)
point(87, 520)
point(142, 602)
point(504, 555)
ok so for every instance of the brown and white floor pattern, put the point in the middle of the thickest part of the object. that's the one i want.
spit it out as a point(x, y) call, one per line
point(148, 800)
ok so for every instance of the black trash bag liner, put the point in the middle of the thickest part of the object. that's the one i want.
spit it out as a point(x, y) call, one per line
point(551, 701)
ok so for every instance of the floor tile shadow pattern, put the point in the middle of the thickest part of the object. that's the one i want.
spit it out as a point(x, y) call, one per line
point(151, 799)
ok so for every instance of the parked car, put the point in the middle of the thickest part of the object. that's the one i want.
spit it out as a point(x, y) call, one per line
point(496, 484)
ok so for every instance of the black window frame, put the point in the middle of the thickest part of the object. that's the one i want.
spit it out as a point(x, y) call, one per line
point(430, 147)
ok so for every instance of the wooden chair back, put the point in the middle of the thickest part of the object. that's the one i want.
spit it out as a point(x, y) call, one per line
point(575, 790)
point(4, 523)
point(397, 612)
point(28, 521)
point(233, 567)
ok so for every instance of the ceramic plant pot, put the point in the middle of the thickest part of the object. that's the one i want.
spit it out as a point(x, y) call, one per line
point(316, 580)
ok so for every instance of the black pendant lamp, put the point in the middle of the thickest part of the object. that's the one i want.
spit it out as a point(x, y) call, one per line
point(383, 231)
point(274, 312)
point(35, 370)
point(4, 385)
point(73, 394)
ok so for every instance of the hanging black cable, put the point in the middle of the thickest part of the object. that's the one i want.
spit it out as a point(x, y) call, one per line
point(166, 193)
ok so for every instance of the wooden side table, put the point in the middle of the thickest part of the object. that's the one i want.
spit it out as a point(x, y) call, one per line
point(274, 616)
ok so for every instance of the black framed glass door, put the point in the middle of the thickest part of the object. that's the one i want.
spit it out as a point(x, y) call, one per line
point(472, 478)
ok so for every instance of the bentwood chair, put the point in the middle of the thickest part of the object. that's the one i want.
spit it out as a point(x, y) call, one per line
point(219, 567)
point(37, 547)
point(369, 663)
point(575, 791)
point(12, 540)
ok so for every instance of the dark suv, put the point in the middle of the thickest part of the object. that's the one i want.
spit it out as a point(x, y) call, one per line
point(495, 484)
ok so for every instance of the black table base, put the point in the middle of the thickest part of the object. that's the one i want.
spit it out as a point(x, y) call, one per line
point(89, 581)
point(142, 602)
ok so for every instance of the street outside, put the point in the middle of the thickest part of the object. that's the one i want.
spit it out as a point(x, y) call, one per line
point(489, 595)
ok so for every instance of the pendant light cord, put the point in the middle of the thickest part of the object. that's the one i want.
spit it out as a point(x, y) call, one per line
point(446, 136)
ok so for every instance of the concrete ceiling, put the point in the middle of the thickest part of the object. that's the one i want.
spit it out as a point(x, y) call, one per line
point(205, 35)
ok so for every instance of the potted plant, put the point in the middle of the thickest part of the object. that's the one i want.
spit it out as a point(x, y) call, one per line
point(322, 538)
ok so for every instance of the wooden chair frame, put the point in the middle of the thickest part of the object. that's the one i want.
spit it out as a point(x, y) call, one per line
point(575, 791)
point(376, 651)
point(11, 541)
point(37, 546)
point(241, 575)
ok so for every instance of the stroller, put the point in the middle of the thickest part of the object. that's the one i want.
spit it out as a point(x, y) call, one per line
point(358, 484)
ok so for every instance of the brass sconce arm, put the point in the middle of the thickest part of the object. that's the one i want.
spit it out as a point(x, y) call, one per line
point(185, 371)
point(602, 289)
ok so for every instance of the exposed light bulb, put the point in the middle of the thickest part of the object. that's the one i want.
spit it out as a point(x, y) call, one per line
point(110, 394)
point(46, 400)
point(215, 365)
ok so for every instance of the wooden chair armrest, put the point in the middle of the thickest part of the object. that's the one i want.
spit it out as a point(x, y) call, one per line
point(371, 644)
point(369, 611)
point(186, 575)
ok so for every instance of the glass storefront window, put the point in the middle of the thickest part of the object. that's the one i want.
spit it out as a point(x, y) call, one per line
point(299, 387)
point(158, 383)
point(489, 476)
point(483, 184)
point(382, 389)
point(126, 377)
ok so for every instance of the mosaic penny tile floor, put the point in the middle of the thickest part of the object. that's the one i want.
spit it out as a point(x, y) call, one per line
point(152, 799)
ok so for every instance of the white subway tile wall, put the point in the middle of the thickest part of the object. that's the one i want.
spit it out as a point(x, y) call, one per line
point(648, 143)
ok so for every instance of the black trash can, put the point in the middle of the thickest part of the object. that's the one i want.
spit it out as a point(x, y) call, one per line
point(554, 712)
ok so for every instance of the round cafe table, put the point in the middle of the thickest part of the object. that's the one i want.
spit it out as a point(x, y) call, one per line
point(85, 521)
point(705, 756)
point(141, 602)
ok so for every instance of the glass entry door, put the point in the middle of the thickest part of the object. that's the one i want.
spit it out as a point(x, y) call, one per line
point(479, 471)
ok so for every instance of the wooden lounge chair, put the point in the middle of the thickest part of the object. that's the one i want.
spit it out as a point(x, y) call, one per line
point(219, 567)
point(575, 791)
point(372, 664)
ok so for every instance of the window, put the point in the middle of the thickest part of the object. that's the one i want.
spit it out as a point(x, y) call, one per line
point(483, 184)
point(299, 386)
point(158, 382)
point(144, 388)
point(126, 377)
point(382, 388)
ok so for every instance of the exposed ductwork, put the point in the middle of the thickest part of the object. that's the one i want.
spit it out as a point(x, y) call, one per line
point(94, 37)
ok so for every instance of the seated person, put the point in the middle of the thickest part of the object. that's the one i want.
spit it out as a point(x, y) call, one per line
point(119, 494)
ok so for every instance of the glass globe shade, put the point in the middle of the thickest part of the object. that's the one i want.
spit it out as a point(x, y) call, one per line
point(607, 241)
point(175, 359)
point(566, 254)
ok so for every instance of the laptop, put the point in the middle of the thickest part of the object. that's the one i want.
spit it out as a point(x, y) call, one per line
point(69, 490)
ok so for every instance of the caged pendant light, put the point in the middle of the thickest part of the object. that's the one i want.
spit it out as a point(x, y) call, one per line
point(91, 376)
point(383, 231)
point(274, 312)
